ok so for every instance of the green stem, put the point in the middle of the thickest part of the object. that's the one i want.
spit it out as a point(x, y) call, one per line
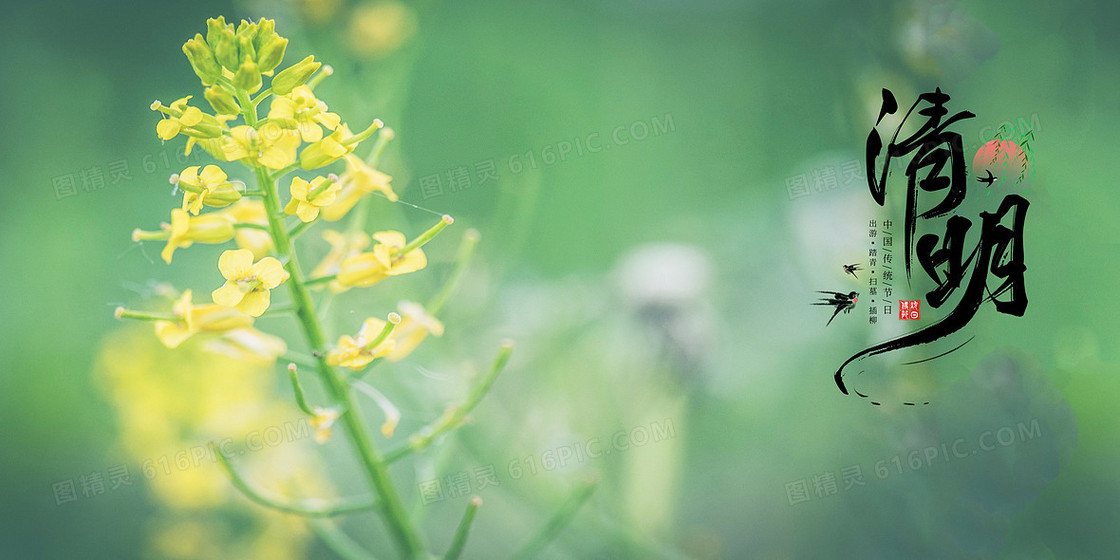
point(392, 509)
point(141, 235)
point(355, 139)
point(299, 359)
point(427, 235)
point(122, 313)
point(454, 415)
point(360, 212)
point(298, 229)
point(464, 529)
point(279, 310)
point(383, 137)
point(325, 71)
point(261, 97)
point(466, 250)
point(301, 399)
point(250, 225)
point(285, 170)
point(243, 485)
point(556, 524)
point(337, 541)
point(321, 280)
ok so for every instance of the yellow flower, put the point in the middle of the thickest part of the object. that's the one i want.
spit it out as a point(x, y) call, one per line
point(308, 198)
point(193, 319)
point(182, 116)
point(247, 344)
point(385, 260)
point(271, 146)
point(357, 351)
point(328, 150)
point(251, 211)
point(247, 283)
point(357, 181)
point(185, 230)
point(343, 246)
point(209, 187)
point(414, 327)
point(306, 112)
point(322, 421)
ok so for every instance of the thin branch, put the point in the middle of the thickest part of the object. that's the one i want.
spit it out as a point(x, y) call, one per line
point(300, 359)
point(337, 541)
point(250, 225)
point(306, 509)
point(301, 399)
point(298, 229)
point(454, 415)
point(460, 538)
point(462, 259)
point(320, 280)
point(556, 524)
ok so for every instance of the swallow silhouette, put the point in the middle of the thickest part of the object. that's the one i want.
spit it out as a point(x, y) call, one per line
point(842, 302)
point(989, 179)
point(851, 269)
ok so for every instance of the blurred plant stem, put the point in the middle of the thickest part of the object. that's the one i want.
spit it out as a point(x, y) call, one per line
point(555, 524)
point(309, 510)
point(460, 538)
point(454, 415)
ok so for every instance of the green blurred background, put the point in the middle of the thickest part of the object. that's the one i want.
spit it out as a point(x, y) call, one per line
point(664, 279)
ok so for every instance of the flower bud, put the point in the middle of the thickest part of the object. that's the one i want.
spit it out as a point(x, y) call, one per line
point(202, 59)
point(246, 52)
point(294, 76)
point(246, 29)
point(271, 54)
point(266, 31)
point(221, 100)
point(248, 78)
point(223, 196)
point(225, 48)
point(210, 228)
point(214, 28)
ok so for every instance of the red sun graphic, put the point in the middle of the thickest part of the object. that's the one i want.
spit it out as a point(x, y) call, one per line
point(1004, 158)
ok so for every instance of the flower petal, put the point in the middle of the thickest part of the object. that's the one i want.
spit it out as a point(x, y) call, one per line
point(228, 295)
point(309, 131)
point(307, 212)
point(235, 263)
point(255, 303)
point(413, 261)
point(212, 176)
point(270, 272)
point(190, 176)
point(299, 188)
point(166, 129)
point(394, 239)
point(363, 269)
point(191, 116)
point(171, 334)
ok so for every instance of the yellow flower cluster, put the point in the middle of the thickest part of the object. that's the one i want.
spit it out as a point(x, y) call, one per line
point(297, 133)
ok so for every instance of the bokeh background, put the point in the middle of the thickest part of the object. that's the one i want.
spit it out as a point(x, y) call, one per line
point(657, 287)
